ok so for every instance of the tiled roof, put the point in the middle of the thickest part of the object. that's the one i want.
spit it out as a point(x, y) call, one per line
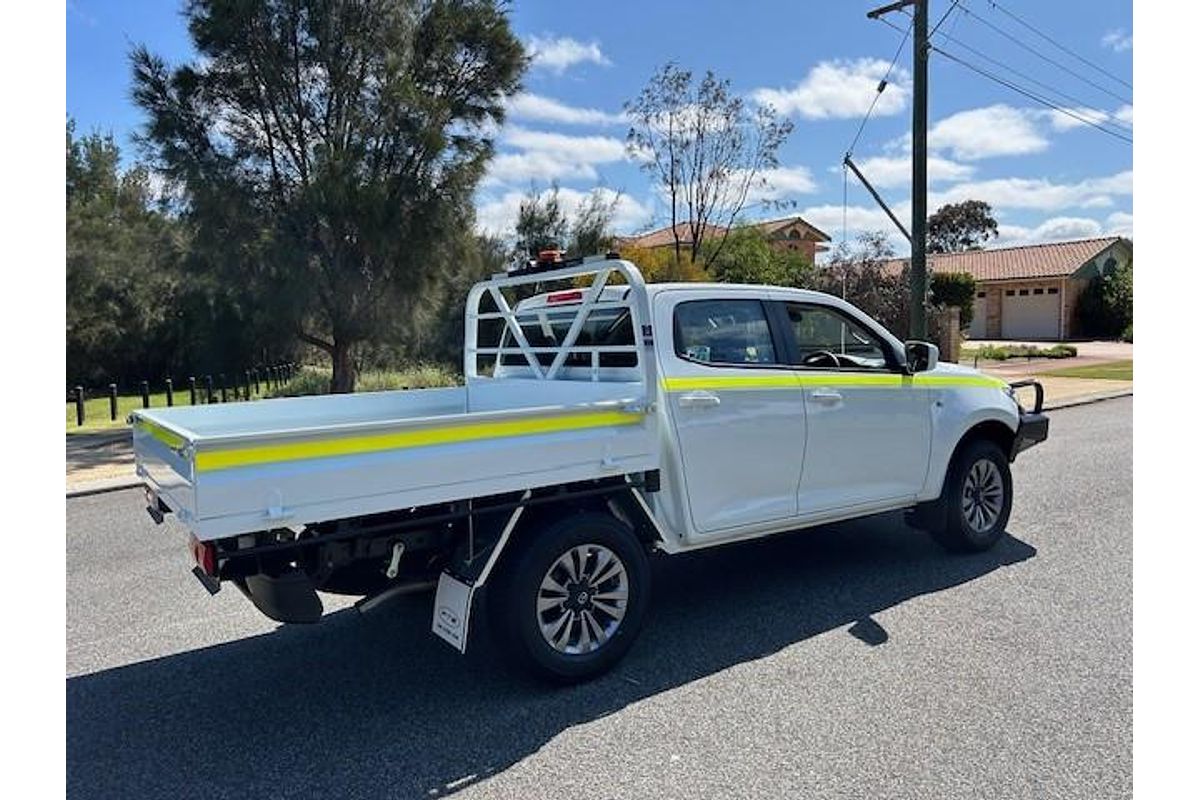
point(662, 236)
point(1052, 260)
point(774, 225)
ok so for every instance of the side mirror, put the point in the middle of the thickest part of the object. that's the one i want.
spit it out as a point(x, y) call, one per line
point(921, 356)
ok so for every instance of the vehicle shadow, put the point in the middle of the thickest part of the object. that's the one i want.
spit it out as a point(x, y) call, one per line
point(374, 706)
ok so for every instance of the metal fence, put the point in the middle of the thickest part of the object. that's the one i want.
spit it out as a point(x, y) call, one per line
point(203, 391)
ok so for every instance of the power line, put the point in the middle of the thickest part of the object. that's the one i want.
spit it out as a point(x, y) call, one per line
point(1058, 45)
point(1042, 55)
point(953, 6)
point(1031, 95)
point(1029, 78)
point(879, 91)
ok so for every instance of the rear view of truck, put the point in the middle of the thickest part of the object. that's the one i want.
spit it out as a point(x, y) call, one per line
point(387, 493)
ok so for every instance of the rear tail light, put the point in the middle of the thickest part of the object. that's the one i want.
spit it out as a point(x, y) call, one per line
point(205, 554)
point(565, 297)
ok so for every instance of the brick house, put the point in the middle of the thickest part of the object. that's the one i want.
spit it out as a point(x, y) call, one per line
point(788, 233)
point(1030, 292)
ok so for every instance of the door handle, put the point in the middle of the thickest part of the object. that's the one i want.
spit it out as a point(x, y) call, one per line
point(699, 400)
point(827, 397)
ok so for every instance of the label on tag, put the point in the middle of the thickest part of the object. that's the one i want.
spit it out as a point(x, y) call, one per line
point(452, 610)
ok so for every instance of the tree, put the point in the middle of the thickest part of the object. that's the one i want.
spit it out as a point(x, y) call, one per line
point(541, 223)
point(956, 290)
point(325, 150)
point(961, 226)
point(1106, 305)
point(745, 256)
point(591, 231)
point(858, 275)
point(706, 149)
point(122, 270)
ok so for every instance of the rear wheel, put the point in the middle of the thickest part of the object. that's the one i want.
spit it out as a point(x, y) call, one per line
point(977, 499)
point(571, 602)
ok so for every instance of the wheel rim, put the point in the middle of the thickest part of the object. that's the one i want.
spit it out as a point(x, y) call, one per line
point(582, 599)
point(983, 495)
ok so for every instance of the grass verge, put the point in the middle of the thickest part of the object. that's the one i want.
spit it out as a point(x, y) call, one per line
point(1112, 371)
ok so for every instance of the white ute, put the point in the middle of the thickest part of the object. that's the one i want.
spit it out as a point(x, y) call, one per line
point(602, 419)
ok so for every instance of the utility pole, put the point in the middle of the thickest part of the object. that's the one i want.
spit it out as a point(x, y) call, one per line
point(918, 279)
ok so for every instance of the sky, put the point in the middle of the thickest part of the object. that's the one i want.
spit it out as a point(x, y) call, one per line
point(1047, 175)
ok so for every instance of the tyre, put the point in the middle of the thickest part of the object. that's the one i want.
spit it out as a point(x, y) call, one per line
point(976, 500)
point(572, 599)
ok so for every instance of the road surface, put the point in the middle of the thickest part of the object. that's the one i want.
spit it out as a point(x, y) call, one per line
point(855, 661)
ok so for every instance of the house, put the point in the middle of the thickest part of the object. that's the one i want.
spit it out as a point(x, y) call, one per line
point(1030, 292)
point(789, 233)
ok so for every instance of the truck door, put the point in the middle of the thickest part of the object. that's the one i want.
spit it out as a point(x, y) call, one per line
point(868, 424)
point(736, 407)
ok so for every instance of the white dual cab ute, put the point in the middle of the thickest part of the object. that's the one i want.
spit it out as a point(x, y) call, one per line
point(602, 420)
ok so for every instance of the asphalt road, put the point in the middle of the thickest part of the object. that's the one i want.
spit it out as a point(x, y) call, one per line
point(855, 661)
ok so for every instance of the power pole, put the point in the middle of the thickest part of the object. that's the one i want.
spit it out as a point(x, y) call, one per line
point(918, 279)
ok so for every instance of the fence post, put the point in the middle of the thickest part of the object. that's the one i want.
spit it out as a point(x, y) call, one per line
point(170, 393)
point(112, 402)
point(145, 394)
point(208, 389)
point(257, 389)
point(79, 406)
point(224, 397)
point(192, 388)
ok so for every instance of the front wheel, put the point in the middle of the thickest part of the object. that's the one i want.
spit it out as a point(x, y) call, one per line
point(572, 601)
point(977, 499)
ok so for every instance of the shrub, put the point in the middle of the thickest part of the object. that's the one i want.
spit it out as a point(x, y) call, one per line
point(1106, 305)
point(315, 380)
point(955, 289)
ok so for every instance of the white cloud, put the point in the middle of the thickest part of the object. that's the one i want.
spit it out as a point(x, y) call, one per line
point(1120, 223)
point(546, 109)
point(840, 89)
point(998, 130)
point(559, 53)
point(783, 183)
point(1055, 229)
point(1038, 193)
point(1124, 114)
point(886, 172)
point(1060, 121)
point(546, 156)
point(498, 215)
point(1118, 40)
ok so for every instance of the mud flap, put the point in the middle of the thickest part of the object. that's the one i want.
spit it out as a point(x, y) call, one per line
point(452, 611)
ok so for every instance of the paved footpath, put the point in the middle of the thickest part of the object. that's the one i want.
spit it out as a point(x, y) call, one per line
point(857, 661)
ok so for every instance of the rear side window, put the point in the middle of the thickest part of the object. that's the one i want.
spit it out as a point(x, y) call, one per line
point(724, 332)
point(545, 327)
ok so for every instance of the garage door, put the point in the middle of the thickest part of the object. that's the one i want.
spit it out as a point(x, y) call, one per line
point(978, 329)
point(1030, 314)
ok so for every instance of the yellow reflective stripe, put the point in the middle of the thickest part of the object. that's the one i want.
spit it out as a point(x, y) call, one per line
point(172, 440)
point(828, 379)
point(209, 461)
point(960, 380)
point(731, 382)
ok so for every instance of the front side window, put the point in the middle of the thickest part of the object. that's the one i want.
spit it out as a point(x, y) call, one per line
point(724, 332)
point(827, 339)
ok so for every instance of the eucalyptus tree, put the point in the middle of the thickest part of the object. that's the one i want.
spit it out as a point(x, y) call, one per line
point(326, 149)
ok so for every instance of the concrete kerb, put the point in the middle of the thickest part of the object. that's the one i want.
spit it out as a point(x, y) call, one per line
point(1084, 401)
point(103, 486)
